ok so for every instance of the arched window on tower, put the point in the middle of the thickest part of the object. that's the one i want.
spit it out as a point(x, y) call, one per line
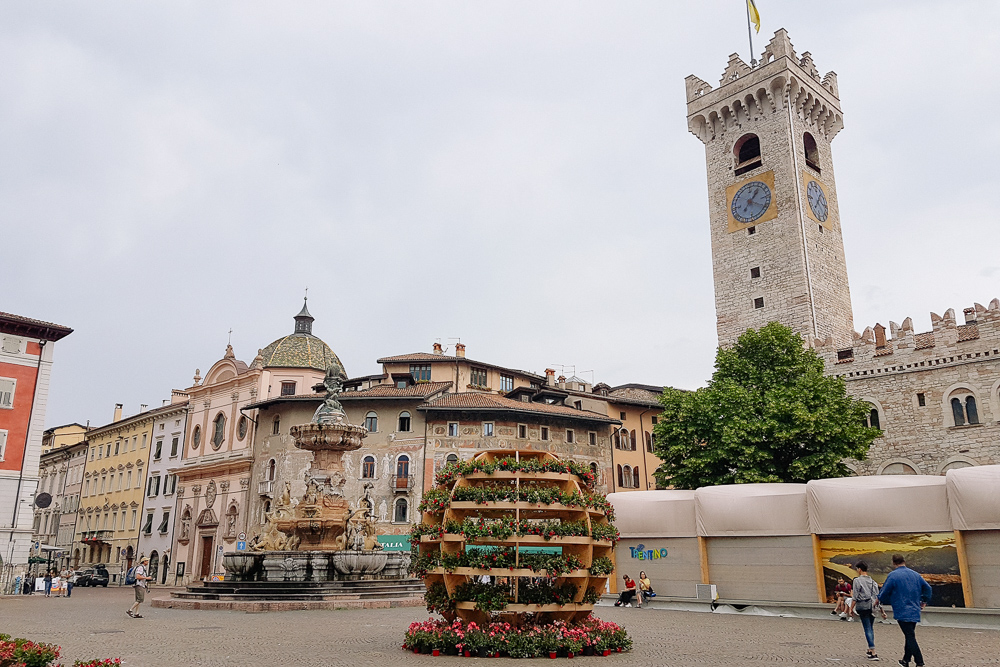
point(811, 151)
point(873, 420)
point(963, 408)
point(271, 470)
point(276, 425)
point(747, 152)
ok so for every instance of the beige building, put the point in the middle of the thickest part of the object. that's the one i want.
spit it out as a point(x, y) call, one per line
point(107, 526)
point(391, 458)
point(60, 472)
point(61, 436)
point(214, 497)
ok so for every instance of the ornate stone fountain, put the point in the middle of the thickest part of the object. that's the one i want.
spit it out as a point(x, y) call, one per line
point(319, 537)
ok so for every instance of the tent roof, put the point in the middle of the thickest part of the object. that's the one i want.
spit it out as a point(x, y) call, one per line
point(667, 513)
point(752, 510)
point(878, 504)
point(974, 497)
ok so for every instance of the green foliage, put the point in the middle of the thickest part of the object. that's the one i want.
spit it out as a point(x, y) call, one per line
point(601, 567)
point(767, 415)
point(434, 500)
point(488, 597)
point(437, 600)
point(545, 591)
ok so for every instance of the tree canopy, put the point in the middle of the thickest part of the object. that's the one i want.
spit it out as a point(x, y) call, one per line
point(768, 414)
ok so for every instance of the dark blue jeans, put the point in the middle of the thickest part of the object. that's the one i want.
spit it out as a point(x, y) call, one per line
point(868, 623)
point(910, 648)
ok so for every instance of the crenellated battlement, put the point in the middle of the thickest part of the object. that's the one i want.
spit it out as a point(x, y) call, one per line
point(948, 342)
point(746, 93)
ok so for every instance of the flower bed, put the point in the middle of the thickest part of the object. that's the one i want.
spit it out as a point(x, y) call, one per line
point(528, 641)
point(26, 653)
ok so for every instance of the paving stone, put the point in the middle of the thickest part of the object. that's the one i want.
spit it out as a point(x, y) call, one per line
point(93, 624)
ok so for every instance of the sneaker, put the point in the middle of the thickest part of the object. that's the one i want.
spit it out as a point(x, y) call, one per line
point(872, 656)
point(902, 663)
point(833, 613)
point(628, 604)
point(850, 618)
point(618, 604)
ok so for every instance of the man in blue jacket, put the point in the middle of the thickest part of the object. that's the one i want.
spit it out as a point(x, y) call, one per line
point(907, 593)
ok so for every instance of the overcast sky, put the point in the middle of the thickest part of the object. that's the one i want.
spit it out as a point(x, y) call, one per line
point(516, 174)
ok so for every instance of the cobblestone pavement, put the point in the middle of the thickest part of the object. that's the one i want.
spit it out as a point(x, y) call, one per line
point(93, 624)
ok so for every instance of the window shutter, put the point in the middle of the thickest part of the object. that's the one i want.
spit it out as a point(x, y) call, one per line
point(7, 386)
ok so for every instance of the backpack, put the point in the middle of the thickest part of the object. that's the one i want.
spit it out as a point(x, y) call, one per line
point(864, 593)
point(130, 577)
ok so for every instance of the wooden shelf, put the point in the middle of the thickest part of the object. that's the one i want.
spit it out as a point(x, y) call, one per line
point(505, 572)
point(528, 608)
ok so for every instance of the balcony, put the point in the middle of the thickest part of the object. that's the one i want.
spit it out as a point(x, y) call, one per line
point(402, 483)
point(97, 536)
point(265, 487)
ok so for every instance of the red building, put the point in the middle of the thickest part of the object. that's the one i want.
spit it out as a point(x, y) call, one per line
point(26, 347)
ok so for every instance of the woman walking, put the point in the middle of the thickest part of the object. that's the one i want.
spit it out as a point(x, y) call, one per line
point(865, 594)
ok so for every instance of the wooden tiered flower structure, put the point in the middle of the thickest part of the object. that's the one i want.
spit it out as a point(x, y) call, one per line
point(488, 516)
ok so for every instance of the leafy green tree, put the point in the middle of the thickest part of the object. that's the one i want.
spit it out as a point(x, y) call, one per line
point(767, 415)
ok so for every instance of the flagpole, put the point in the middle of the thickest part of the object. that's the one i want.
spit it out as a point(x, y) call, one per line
point(753, 61)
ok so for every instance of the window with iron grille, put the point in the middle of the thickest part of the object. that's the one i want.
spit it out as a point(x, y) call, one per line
point(287, 388)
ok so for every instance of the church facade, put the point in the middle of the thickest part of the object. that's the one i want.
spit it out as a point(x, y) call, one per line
point(778, 255)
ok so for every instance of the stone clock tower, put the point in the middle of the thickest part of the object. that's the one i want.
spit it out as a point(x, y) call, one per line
point(777, 250)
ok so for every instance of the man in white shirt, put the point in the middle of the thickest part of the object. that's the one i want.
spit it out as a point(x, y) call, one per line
point(141, 577)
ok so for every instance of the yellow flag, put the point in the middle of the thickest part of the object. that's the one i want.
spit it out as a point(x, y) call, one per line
point(754, 16)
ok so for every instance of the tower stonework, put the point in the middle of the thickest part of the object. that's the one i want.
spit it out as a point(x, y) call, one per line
point(777, 249)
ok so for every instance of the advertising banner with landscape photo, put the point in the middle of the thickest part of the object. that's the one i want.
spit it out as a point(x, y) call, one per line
point(933, 555)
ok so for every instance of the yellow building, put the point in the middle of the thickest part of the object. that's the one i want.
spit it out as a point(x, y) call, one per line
point(62, 436)
point(107, 527)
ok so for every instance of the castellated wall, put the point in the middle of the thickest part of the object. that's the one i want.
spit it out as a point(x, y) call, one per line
point(911, 380)
point(803, 273)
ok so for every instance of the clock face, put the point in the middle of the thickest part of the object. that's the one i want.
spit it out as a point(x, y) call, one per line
point(817, 201)
point(751, 201)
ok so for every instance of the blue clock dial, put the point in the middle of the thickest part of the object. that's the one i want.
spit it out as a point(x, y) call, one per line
point(751, 201)
point(817, 201)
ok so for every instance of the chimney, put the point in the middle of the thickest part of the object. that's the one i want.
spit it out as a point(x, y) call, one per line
point(562, 382)
point(437, 348)
point(550, 377)
point(143, 406)
point(118, 412)
point(970, 315)
point(460, 350)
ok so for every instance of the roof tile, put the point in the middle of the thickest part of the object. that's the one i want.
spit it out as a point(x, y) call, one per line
point(483, 401)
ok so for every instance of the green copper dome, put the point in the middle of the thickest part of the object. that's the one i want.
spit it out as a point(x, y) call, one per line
point(300, 349)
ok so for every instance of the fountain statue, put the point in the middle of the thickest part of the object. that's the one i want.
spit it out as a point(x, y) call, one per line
point(319, 534)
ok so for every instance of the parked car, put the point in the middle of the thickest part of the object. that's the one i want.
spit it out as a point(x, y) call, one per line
point(93, 576)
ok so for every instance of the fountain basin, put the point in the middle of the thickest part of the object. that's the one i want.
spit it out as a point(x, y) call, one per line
point(351, 562)
point(342, 437)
